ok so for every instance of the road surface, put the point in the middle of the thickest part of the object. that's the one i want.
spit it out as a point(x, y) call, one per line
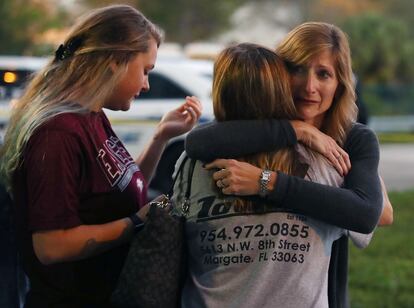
point(397, 166)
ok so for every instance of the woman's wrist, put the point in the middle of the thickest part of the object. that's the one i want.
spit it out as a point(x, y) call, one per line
point(272, 183)
point(267, 182)
point(137, 222)
point(299, 128)
point(306, 134)
point(159, 136)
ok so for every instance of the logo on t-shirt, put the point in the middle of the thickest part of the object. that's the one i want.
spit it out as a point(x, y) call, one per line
point(117, 164)
point(140, 185)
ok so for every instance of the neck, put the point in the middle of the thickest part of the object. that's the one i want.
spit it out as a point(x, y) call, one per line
point(316, 121)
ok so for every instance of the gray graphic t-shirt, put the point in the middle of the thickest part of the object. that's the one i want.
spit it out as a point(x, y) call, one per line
point(262, 258)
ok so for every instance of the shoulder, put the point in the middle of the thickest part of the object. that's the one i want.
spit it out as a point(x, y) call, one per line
point(360, 133)
point(76, 125)
point(362, 139)
point(63, 131)
point(359, 129)
point(69, 122)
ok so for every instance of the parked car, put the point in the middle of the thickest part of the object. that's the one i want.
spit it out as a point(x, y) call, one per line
point(14, 72)
point(173, 78)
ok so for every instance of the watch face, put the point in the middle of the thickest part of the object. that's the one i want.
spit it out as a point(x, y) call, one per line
point(264, 180)
point(265, 175)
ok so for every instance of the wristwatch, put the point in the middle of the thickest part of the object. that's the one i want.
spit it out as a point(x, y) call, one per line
point(137, 222)
point(264, 181)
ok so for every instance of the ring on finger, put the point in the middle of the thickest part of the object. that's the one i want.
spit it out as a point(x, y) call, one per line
point(220, 183)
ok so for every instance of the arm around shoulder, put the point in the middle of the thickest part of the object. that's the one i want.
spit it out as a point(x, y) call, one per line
point(356, 206)
point(228, 139)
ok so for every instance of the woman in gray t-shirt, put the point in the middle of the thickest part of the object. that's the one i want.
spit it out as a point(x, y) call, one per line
point(322, 87)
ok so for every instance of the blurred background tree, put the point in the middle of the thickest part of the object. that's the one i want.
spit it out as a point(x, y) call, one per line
point(22, 21)
point(380, 32)
point(189, 20)
point(382, 50)
point(184, 20)
point(381, 40)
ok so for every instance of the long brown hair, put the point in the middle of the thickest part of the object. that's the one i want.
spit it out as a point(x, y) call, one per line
point(251, 82)
point(80, 77)
point(310, 39)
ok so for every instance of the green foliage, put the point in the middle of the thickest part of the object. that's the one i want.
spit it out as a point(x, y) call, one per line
point(183, 21)
point(382, 48)
point(402, 10)
point(396, 138)
point(382, 275)
point(21, 22)
point(389, 99)
point(188, 20)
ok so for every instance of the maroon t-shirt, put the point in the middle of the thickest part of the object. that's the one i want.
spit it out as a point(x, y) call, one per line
point(75, 171)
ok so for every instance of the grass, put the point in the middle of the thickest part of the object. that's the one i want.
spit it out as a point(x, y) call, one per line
point(396, 137)
point(382, 275)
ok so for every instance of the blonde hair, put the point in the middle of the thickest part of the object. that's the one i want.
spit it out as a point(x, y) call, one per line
point(80, 77)
point(307, 41)
point(251, 82)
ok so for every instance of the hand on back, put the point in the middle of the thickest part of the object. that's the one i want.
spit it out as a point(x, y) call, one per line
point(235, 177)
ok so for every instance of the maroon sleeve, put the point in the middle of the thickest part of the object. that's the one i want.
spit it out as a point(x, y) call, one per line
point(53, 166)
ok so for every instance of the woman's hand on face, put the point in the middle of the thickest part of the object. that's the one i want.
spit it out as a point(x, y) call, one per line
point(180, 120)
point(313, 138)
point(235, 177)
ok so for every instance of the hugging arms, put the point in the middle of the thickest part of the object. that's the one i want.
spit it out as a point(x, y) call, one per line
point(356, 206)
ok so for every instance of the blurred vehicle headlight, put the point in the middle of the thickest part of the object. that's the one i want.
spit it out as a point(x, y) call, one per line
point(10, 77)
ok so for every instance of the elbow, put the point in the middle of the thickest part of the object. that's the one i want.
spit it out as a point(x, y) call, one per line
point(366, 227)
point(46, 252)
point(190, 149)
point(368, 216)
point(196, 149)
point(199, 153)
point(46, 257)
point(369, 221)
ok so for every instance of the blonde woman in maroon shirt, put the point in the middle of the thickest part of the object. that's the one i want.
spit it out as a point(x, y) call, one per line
point(76, 189)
